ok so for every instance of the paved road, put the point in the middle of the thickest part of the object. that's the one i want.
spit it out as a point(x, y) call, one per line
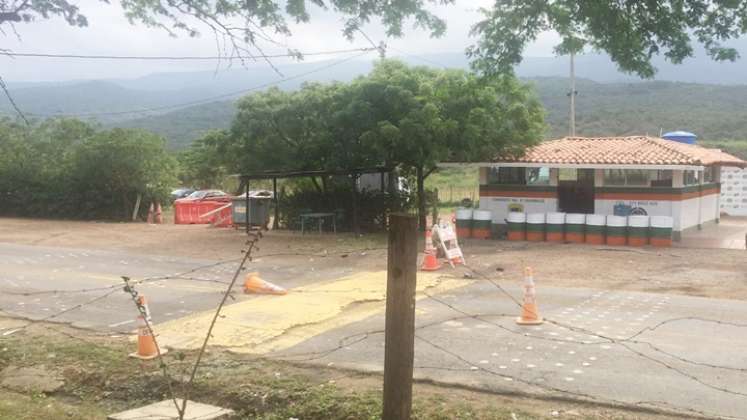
point(38, 282)
point(665, 367)
point(684, 353)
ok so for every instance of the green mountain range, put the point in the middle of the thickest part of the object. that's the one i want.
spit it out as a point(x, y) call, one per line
point(184, 106)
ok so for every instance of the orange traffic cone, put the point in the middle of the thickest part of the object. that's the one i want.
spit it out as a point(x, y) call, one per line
point(529, 312)
point(151, 213)
point(430, 262)
point(254, 284)
point(146, 345)
point(159, 214)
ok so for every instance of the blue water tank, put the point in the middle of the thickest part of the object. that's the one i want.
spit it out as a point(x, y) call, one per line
point(681, 136)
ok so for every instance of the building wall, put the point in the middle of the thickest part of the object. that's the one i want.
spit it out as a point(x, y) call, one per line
point(734, 191)
point(689, 206)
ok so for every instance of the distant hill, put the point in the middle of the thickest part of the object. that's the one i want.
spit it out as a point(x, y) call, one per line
point(713, 112)
point(183, 106)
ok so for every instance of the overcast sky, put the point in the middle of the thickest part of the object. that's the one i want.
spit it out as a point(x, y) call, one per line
point(109, 33)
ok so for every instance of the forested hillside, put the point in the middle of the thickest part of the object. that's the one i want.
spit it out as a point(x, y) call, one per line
point(714, 112)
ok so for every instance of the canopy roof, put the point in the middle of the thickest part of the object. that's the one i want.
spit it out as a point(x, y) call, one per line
point(633, 150)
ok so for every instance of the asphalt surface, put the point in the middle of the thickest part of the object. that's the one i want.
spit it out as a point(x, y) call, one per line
point(85, 288)
point(651, 350)
point(647, 350)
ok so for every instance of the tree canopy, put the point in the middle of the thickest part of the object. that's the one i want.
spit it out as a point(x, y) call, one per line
point(408, 118)
point(630, 31)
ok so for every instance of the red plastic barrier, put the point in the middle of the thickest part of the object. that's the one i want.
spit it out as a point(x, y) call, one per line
point(188, 212)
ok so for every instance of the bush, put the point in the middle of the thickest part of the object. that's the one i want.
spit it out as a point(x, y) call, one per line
point(68, 169)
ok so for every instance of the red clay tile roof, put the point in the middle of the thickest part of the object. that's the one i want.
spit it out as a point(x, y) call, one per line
point(641, 150)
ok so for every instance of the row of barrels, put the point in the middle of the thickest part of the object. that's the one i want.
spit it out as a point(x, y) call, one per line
point(590, 228)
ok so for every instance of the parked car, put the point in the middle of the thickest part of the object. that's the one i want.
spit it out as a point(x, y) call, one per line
point(216, 195)
point(181, 193)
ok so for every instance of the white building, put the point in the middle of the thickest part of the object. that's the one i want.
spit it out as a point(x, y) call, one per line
point(609, 175)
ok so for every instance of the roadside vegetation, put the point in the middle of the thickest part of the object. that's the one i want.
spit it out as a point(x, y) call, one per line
point(63, 168)
point(99, 379)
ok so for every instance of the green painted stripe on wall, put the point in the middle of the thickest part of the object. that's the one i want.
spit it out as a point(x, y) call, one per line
point(535, 227)
point(574, 228)
point(555, 228)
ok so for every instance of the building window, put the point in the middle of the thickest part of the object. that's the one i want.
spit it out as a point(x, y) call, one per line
point(567, 174)
point(690, 178)
point(538, 176)
point(519, 176)
point(709, 174)
point(662, 178)
point(626, 177)
point(507, 176)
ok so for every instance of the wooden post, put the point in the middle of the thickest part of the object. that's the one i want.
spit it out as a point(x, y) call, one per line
point(399, 350)
point(277, 201)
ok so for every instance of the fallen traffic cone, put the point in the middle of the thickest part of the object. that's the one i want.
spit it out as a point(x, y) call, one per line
point(430, 261)
point(146, 345)
point(151, 213)
point(529, 313)
point(254, 284)
point(159, 214)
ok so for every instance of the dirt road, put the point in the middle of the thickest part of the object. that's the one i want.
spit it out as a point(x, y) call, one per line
point(693, 272)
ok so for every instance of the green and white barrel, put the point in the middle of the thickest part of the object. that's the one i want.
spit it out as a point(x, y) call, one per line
point(617, 230)
point(517, 226)
point(638, 227)
point(554, 227)
point(661, 231)
point(575, 224)
point(595, 224)
point(536, 227)
point(481, 221)
point(463, 222)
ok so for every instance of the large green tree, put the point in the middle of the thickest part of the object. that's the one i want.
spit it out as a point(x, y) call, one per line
point(408, 118)
point(423, 116)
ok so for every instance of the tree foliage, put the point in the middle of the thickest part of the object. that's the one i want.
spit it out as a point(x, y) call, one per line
point(401, 117)
point(630, 31)
point(66, 168)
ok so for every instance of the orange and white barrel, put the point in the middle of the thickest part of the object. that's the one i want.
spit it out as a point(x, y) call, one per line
point(464, 222)
point(536, 227)
point(595, 229)
point(638, 227)
point(617, 230)
point(517, 226)
point(574, 227)
point(661, 231)
point(554, 227)
point(481, 221)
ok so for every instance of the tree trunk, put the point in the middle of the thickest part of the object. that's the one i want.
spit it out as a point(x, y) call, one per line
point(421, 198)
point(316, 185)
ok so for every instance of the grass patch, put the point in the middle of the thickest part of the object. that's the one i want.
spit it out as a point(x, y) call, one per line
point(100, 379)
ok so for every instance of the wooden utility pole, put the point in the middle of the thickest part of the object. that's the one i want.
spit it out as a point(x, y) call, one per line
point(573, 96)
point(399, 350)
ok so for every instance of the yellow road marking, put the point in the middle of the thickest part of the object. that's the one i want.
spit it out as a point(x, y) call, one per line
point(273, 323)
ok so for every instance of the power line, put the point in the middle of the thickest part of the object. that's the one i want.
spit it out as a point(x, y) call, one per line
point(178, 58)
point(211, 98)
point(12, 102)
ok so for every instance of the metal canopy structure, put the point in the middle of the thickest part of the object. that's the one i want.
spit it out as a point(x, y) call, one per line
point(354, 173)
